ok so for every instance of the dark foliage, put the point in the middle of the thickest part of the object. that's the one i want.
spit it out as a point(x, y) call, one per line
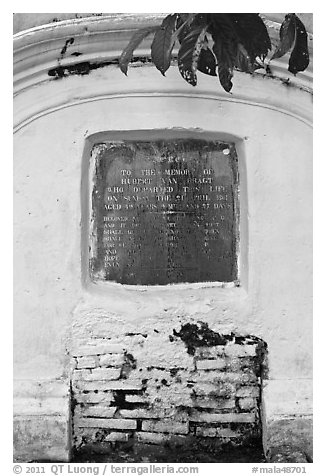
point(217, 43)
point(163, 43)
point(135, 41)
point(293, 37)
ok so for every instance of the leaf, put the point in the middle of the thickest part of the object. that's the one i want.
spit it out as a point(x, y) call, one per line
point(184, 25)
point(207, 62)
point(225, 48)
point(185, 17)
point(225, 75)
point(135, 41)
point(287, 36)
point(163, 43)
point(243, 61)
point(252, 34)
point(190, 49)
point(225, 64)
point(293, 37)
point(299, 59)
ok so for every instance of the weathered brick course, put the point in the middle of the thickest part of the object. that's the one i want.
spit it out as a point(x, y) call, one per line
point(104, 374)
point(217, 403)
point(247, 403)
point(83, 351)
point(81, 374)
point(111, 360)
point(95, 411)
point(165, 427)
point(87, 362)
point(140, 413)
point(214, 432)
point(227, 433)
point(222, 417)
point(152, 438)
point(243, 350)
point(159, 438)
point(210, 352)
point(108, 385)
point(220, 389)
point(211, 364)
point(248, 391)
point(234, 377)
point(118, 436)
point(206, 432)
point(91, 397)
point(136, 399)
point(116, 424)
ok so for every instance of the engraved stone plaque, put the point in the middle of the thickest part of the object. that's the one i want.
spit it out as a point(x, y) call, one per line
point(163, 212)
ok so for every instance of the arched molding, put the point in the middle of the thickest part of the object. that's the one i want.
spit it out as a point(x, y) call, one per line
point(108, 83)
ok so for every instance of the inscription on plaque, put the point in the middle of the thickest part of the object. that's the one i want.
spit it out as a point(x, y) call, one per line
point(163, 212)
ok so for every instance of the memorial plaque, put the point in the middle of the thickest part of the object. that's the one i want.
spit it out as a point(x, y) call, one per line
point(164, 212)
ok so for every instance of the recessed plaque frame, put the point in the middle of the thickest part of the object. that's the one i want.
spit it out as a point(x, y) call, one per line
point(163, 211)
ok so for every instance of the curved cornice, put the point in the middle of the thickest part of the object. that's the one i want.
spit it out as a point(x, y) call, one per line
point(109, 84)
point(49, 110)
point(101, 40)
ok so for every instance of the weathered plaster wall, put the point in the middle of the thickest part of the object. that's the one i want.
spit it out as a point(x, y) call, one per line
point(269, 122)
point(275, 149)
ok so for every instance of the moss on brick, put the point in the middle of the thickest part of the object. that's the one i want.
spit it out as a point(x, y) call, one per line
point(201, 335)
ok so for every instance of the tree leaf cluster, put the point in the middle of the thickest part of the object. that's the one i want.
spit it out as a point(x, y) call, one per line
point(216, 44)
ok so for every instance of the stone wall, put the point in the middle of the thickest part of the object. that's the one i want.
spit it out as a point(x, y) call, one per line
point(207, 389)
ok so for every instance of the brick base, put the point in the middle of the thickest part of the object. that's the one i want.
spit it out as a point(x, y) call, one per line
point(213, 396)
